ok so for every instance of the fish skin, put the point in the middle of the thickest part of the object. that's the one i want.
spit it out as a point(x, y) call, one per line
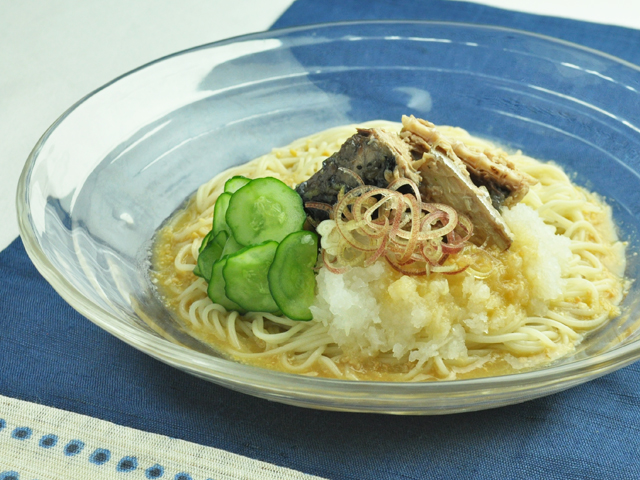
point(364, 154)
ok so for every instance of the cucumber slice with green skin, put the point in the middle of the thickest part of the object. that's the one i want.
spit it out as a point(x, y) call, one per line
point(264, 209)
point(205, 241)
point(235, 183)
point(292, 281)
point(231, 247)
point(217, 285)
point(219, 214)
point(245, 276)
point(211, 253)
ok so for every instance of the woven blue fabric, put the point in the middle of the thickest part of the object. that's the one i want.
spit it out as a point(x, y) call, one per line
point(50, 354)
point(618, 41)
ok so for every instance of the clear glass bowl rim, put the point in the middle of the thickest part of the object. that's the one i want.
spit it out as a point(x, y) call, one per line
point(233, 373)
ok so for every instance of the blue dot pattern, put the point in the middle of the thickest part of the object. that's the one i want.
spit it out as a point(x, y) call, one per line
point(48, 441)
point(100, 456)
point(127, 464)
point(74, 447)
point(156, 471)
point(21, 433)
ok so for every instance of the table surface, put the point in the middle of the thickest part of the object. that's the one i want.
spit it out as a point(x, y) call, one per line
point(54, 52)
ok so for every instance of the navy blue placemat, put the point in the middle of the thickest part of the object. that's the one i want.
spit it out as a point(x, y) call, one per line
point(619, 41)
point(50, 354)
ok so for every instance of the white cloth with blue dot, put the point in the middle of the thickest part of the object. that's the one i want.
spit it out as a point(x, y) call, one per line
point(44, 443)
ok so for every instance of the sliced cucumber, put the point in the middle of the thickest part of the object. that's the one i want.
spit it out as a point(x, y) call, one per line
point(245, 275)
point(219, 214)
point(211, 253)
point(264, 209)
point(292, 281)
point(205, 241)
point(231, 247)
point(216, 287)
point(235, 183)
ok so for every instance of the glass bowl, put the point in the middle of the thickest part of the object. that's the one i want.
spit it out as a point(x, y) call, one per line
point(113, 168)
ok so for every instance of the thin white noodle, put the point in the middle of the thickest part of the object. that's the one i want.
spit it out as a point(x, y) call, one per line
point(212, 314)
point(231, 331)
